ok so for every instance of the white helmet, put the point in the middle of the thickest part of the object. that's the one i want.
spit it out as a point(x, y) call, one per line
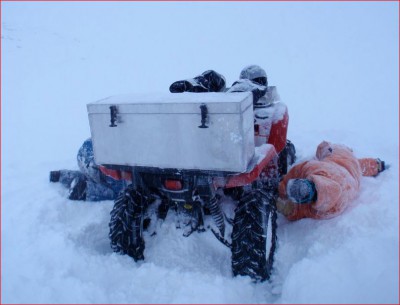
point(254, 73)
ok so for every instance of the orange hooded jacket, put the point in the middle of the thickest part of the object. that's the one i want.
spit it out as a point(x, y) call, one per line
point(336, 173)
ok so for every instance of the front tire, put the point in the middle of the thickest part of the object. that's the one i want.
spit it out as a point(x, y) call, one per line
point(287, 157)
point(126, 224)
point(254, 236)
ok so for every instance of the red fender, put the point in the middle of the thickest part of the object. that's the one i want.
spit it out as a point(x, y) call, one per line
point(267, 155)
point(116, 174)
point(278, 133)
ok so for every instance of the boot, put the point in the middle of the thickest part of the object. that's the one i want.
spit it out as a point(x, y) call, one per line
point(77, 190)
point(187, 85)
point(55, 176)
point(208, 81)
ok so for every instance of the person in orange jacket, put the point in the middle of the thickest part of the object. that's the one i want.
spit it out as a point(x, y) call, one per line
point(323, 187)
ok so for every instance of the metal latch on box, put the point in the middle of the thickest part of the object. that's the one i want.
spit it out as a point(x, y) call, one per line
point(113, 116)
point(204, 116)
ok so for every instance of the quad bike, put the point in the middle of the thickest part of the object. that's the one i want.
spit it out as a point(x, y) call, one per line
point(198, 197)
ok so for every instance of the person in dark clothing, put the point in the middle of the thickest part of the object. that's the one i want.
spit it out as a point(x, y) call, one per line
point(91, 182)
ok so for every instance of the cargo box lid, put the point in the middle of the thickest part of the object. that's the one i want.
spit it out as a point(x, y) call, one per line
point(177, 103)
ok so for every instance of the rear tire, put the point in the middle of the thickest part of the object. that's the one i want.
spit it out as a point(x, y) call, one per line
point(254, 223)
point(126, 224)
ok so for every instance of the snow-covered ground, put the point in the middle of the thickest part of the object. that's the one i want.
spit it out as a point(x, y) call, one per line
point(336, 67)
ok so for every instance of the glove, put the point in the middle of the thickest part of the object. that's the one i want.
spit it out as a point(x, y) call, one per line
point(284, 207)
point(381, 165)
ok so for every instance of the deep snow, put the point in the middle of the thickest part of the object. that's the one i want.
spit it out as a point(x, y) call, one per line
point(336, 68)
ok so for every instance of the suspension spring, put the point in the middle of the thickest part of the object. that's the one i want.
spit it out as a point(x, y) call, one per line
point(216, 214)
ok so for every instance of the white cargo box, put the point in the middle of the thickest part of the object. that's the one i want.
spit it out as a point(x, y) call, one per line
point(165, 131)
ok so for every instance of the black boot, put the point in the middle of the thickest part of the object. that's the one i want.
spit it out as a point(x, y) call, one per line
point(208, 81)
point(77, 189)
point(55, 176)
point(212, 80)
point(187, 85)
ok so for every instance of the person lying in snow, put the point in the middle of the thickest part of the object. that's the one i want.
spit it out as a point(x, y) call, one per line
point(323, 187)
point(92, 182)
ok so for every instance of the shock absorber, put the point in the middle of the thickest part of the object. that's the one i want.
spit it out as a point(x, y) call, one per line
point(216, 214)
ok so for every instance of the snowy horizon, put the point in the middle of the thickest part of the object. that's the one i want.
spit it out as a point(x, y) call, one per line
point(336, 67)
